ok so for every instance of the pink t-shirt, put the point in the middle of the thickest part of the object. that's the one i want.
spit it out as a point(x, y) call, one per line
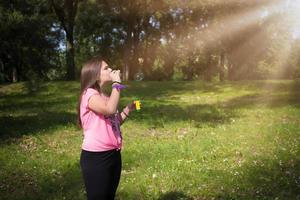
point(101, 133)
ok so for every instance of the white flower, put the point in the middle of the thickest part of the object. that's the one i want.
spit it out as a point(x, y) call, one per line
point(154, 175)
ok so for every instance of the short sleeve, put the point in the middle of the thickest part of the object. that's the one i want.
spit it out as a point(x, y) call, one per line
point(88, 94)
point(84, 109)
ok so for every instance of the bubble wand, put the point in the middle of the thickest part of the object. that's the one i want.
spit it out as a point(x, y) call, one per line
point(137, 104)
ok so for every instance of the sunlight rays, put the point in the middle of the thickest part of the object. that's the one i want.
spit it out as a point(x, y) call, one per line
point(231, 25)
point(264, 23)
point(288, 31)
point(209, 33)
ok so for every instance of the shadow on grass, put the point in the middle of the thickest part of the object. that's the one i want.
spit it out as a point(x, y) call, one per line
point(156, 116)
point(16, 126)
point(154, 89)
point(274, 95)
point(270, 100)
point(269, 181)
point(67, 185)
point(23, 113)
point(21, 89)
point(265, 180)
point(174, 195)
point(39, 118)
point(44, 113)
point(57, 184)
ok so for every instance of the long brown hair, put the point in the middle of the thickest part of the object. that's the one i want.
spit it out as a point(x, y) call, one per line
point(89, 78)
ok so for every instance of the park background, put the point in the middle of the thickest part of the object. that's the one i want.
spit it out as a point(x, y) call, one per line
point(220, 96)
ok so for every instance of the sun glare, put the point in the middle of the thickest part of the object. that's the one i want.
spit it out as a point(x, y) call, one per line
point(280, 18)
point(296, 16)
point(293, 17)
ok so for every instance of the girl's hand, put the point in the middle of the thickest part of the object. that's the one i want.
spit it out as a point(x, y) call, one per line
point(115, 75)
point(131, 107)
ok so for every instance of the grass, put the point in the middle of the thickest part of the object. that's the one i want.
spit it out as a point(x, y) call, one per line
point(191, 140)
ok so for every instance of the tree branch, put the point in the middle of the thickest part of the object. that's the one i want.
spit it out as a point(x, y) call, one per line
point(60, 14)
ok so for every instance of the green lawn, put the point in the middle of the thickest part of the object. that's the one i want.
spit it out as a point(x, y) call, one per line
point(191, 140)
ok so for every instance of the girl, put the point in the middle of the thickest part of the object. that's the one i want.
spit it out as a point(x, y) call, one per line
point(100, 120)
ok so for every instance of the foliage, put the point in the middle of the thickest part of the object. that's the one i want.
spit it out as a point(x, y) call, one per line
point(233, 40)
point(28, 40)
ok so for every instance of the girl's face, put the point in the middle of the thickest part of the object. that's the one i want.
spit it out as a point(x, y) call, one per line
point(105, 73)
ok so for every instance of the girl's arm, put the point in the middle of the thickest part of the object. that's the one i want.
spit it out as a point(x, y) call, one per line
point(125, 113)
point(99, 105)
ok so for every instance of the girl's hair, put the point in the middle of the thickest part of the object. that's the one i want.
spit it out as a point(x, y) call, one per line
point(89, 78)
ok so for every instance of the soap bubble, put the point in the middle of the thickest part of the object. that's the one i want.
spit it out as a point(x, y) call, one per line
point(139, 76)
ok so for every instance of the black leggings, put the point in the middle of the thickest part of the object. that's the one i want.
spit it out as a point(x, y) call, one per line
point(101, 173)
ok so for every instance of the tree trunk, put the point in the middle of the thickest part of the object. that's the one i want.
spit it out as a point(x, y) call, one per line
point(222, 67)
point(128, 49)
point(231, 72)
point(146, 54)
point(66, 14)
point(125, 71)
point(134, 63)
point(209, 70)
point(14, 75)
point(70, 57)
point(148, 60)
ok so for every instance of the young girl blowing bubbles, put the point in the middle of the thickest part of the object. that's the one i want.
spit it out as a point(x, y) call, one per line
point(100, 120)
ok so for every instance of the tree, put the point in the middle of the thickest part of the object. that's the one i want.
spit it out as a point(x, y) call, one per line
point(28, 40)
point(66, 12)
